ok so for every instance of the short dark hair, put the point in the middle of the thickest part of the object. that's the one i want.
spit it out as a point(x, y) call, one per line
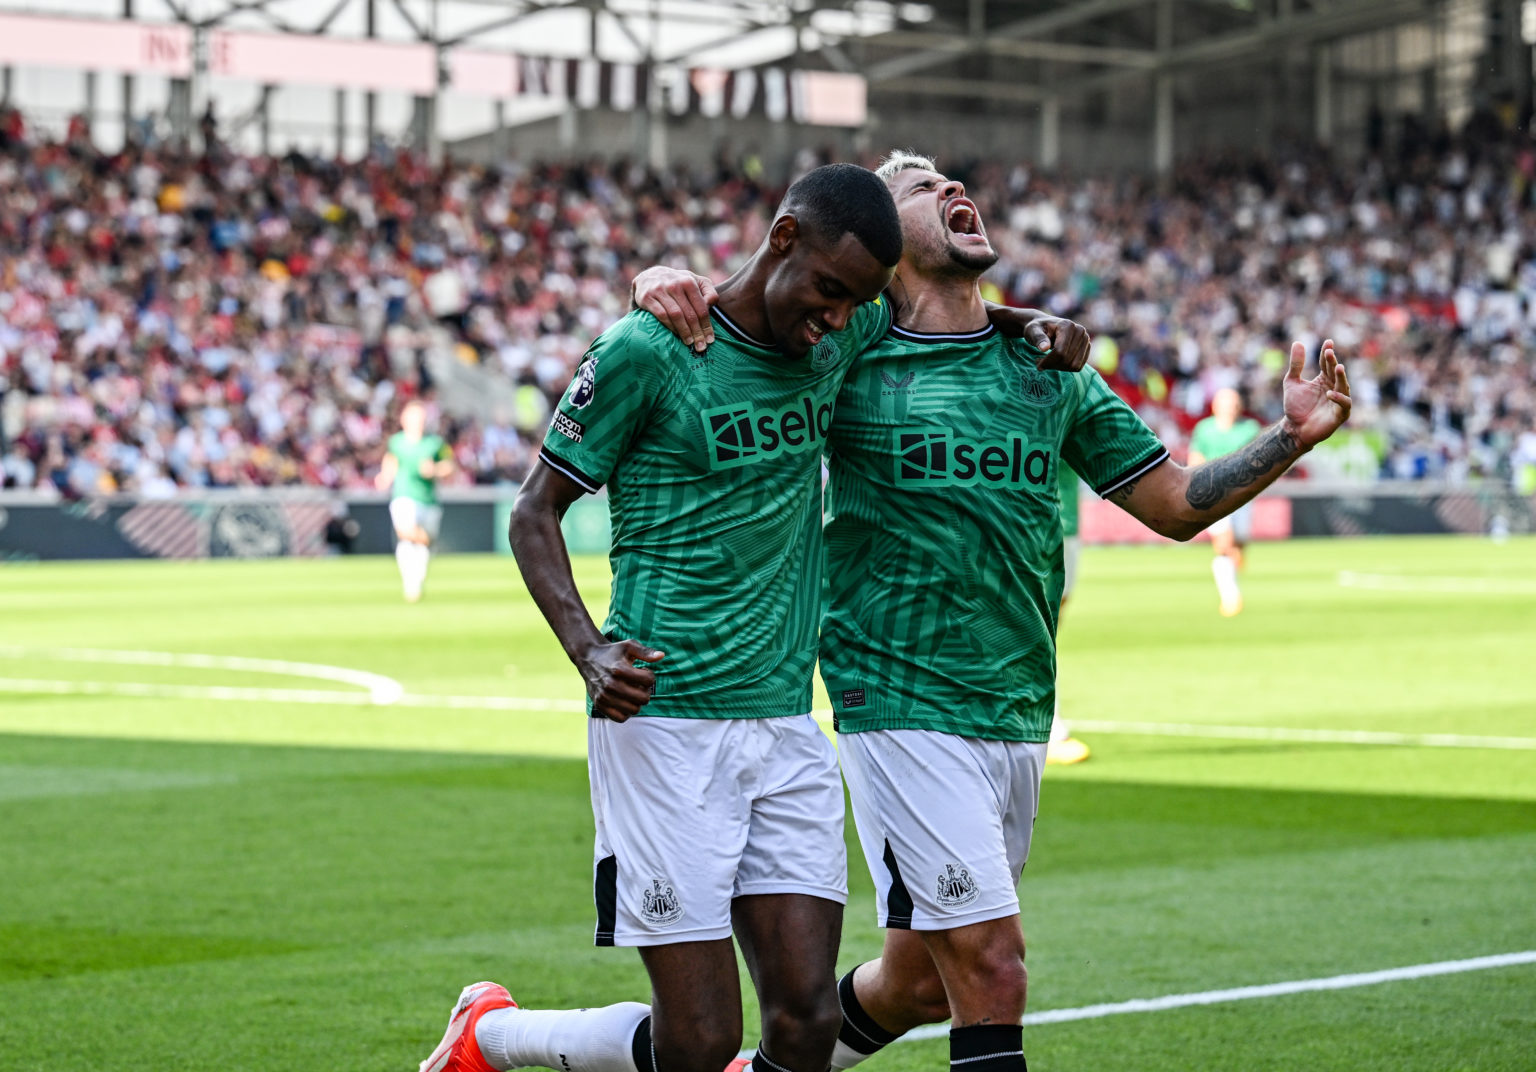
point(839, 199)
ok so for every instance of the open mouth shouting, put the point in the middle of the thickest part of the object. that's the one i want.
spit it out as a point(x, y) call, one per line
point(962, 219)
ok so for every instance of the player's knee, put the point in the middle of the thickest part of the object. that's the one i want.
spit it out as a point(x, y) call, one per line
point(805, 1022)
point(1000, 972)
point(702, 1048)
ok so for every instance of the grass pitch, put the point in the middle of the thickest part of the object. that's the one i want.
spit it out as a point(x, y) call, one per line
point(203, 866)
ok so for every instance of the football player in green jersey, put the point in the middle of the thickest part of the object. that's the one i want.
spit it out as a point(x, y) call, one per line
point(413, 464)
point(1220, 434)
point(720, 811)
point(945, 575)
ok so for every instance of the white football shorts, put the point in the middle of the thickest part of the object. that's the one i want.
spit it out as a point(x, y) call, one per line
point(1239, 522)
point(1071, 548)
point(945, 822)
point(408, 513)
point(692, 813)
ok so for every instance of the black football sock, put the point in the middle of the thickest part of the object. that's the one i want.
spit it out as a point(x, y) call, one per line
point(987, 1048)
point(860, 1037)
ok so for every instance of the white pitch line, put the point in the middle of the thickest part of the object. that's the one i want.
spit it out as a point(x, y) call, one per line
point(1314, 736)
point(381, 689)
point(491, 703)
point(238, 693)
point(1246, 993)
point(1397, 582)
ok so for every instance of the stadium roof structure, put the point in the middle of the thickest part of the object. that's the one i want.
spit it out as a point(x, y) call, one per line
point(1116, 65)
point(1036, 50)
point(1008, 50)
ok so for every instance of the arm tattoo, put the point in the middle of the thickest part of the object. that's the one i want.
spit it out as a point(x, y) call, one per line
point(1213, 481)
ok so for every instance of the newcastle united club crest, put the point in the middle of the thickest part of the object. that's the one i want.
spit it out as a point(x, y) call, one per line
point(660, 904)
point(956, 887)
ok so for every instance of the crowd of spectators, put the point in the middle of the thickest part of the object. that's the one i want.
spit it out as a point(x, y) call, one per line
point(172, 319)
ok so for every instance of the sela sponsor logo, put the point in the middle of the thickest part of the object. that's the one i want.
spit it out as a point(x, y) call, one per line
point(925, 457)
point(893, 386)
point(956, 887)
point(569, 427)
point(584, 386)
point(660, 904)
point(744, 433)
point(853, 697)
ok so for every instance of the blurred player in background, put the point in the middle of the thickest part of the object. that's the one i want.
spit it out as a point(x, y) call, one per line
point(413, 464)
point(945, 577)
point(1065, 748)
point(1224, 432)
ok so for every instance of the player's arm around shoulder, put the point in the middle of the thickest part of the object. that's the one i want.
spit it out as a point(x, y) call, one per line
point(1062, 345)
point(1179, 502)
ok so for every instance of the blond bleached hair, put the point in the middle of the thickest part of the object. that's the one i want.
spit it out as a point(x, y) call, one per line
point(899, 160)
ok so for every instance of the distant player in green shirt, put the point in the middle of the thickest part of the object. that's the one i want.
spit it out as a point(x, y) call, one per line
point(721, 810)
point(413, 464)
point(945, 575)
point(1224, 432)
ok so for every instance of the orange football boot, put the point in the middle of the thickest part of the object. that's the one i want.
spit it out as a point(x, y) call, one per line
point(459, 1052)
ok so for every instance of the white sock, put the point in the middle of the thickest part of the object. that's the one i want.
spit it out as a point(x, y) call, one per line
point(403, 560)
point(578, 1040)
point(845, 1056)
point(421, 555)
point(1225, 572)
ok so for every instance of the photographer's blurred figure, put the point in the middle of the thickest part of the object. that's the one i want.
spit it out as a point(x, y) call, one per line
point(413, 464)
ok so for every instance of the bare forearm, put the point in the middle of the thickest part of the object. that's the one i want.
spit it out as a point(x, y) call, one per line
point(539, 547)
point(1009, 319)
point(1220, 486)
point(1178, 503)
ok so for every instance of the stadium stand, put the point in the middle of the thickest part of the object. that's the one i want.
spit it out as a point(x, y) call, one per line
point(175, 320)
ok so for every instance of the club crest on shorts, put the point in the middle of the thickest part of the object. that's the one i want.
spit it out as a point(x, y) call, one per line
point(956, 887)
point(660, 904)
point(585, 384)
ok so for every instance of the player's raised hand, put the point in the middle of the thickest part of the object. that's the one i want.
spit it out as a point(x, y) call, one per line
point(617, 686)
point(680, 300)
point(1064, 341)
point(1315, 408)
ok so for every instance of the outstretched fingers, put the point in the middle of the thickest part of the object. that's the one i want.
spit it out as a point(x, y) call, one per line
point(1339, 395)
point(1297, 363)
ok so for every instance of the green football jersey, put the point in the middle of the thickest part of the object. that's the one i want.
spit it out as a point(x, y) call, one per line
point(1213, 441)
point(1068, 485)
point(409, 483)
point(944, 533)
point(713, 468)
